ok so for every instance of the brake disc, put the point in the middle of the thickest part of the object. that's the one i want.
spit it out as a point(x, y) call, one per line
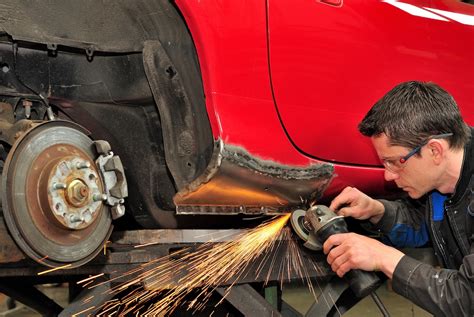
point(54, 197)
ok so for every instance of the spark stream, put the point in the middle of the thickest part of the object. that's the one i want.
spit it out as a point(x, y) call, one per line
point(169, 282)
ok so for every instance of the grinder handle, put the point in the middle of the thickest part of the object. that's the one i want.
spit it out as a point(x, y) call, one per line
point(361, 282)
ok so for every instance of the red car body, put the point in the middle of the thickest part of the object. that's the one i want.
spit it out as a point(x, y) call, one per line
point(289, 80)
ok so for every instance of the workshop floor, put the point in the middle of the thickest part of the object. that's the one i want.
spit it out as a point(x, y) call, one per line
point(299, 298)
point(296, 295)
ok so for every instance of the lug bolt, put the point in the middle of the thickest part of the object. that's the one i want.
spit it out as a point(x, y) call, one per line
point(99, 197)
point(59, 186)
point(82, 165)
point(74, 219)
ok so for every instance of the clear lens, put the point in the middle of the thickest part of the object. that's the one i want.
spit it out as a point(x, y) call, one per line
point(393, 165)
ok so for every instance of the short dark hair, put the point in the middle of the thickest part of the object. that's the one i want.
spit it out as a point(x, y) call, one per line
point(413, 111)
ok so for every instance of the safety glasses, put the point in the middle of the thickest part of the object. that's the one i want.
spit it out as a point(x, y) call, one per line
point(395, 165)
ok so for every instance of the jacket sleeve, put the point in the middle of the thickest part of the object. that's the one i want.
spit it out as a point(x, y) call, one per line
point(442, 292)
point(404, 223)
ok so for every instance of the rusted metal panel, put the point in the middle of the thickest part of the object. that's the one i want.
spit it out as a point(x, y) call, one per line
point(237, 183)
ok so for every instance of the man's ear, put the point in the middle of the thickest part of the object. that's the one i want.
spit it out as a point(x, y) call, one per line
point(436, 150)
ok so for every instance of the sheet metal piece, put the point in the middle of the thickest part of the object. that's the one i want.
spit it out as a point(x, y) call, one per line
point(237, 183)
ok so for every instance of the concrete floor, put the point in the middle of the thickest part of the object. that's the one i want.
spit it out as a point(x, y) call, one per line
point(295, 294)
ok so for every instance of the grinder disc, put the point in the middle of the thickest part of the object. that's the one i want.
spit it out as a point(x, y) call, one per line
point(297, 219)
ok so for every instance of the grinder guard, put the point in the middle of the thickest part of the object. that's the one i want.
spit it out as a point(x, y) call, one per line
point(317, 224)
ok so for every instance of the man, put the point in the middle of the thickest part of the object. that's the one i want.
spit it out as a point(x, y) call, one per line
point(426, 149)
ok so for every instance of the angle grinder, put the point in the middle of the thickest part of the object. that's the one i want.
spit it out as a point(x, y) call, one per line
point(317, 224)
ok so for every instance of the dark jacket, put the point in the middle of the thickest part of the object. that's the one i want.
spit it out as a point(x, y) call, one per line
point(448, 222)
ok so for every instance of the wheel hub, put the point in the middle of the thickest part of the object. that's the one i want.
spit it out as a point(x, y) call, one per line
point(54, 200)
point(73, 185)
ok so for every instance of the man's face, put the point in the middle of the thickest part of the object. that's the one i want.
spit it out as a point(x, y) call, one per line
point(416, 176)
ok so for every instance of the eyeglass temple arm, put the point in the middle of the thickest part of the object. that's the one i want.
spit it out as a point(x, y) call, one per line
point(418, 148)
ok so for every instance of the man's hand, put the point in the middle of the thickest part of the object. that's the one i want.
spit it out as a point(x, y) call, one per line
point(358, 205)
point(347, 251)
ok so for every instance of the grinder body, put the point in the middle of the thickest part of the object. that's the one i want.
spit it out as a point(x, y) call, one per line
point(322, 222)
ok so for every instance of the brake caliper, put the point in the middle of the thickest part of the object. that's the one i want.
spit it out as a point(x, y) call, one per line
point(113, 175)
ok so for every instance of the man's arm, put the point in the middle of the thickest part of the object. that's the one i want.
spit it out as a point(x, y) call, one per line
point(403, 221)
point(442, 292)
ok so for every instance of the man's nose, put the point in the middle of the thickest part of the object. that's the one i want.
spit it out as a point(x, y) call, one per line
point(390, 176)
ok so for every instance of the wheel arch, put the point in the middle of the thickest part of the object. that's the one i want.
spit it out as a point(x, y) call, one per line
point(124, 27)
point(90, 65)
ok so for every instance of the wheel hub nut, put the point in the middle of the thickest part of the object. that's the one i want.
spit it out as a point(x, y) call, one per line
point(77, 193)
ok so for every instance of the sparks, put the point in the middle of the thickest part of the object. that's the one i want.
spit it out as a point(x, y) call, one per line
point(168, 281)
point(55, 269)
point(83, 311)
point(90, 278)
